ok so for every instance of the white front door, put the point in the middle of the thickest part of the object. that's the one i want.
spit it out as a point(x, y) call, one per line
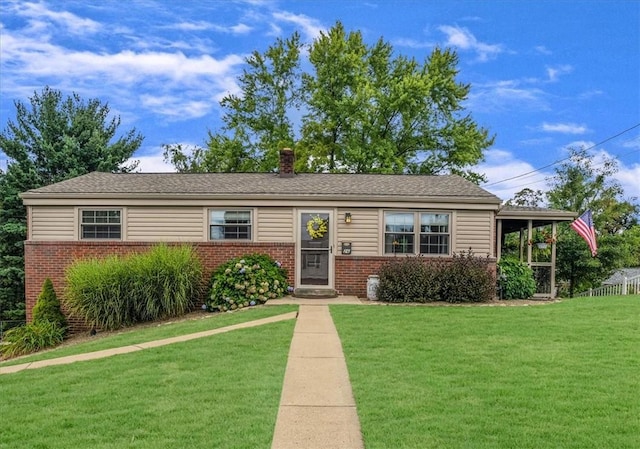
point(315, 257)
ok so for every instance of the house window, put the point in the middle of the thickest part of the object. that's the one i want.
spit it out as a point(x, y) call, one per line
point(101, 224)
point(230, 225)
point(399, 232)
point(434, 233)
point(416, 233)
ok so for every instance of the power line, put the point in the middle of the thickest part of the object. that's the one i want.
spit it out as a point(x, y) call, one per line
point(562, 160)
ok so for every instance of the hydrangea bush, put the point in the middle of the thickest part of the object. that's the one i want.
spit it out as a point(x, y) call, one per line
point(246, 281)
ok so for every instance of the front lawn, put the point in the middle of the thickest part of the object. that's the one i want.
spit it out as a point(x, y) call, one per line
point(154, 331)
point(221, 391)
point(563, 375)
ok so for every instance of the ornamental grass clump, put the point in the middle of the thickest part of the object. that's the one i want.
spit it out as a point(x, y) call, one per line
point(246, 281)
point(47, 329)
point(30, 338)
point(119, 291)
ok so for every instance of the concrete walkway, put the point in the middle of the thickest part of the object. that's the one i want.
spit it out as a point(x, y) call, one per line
point(140, 346)
point(317, 409)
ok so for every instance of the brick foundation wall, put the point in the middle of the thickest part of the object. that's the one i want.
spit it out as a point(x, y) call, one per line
point(352, 272)
point(50, 259)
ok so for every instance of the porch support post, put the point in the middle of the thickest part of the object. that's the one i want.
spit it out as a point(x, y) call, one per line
point(499, 240)
point(529, 238)
point(554, 229)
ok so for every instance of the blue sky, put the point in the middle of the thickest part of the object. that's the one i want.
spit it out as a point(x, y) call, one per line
point(545, 75)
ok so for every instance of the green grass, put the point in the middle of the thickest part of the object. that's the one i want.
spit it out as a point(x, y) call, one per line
point(221, 391)
point(563, 375)
point(152, 332)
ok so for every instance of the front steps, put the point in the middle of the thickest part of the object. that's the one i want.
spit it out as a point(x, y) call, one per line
point(314, 293)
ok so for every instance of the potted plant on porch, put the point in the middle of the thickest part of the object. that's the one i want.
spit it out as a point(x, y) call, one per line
point(542, 238)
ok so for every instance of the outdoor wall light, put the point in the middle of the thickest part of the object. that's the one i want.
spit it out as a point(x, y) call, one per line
point(347, 217)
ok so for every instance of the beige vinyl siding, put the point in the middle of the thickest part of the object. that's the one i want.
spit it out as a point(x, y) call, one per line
point(52, 223)
point(175, 224)
point(363, 232)
point(473, 229)
point(274, 224)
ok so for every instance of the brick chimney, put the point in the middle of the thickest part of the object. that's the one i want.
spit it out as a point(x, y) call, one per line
point(286, 163)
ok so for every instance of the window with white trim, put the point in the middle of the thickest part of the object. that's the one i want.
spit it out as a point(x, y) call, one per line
point(416, 232)
point(434, 233)
point(101, 224)
point(399, 232)
point(230, 225)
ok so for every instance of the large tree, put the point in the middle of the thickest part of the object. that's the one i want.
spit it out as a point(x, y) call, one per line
point(356, 108)
point(52, 139)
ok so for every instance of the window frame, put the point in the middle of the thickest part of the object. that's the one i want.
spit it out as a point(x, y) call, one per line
point(418, 234)
point(211, 225)
point(82, 225)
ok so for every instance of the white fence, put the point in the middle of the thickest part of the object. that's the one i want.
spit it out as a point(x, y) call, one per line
point(628, 286)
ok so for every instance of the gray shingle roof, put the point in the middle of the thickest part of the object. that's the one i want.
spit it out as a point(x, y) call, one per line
point(248, 185)
point(618, 276)
point(509, 211)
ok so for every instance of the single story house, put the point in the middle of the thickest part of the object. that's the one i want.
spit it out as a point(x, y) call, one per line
point(330, 231)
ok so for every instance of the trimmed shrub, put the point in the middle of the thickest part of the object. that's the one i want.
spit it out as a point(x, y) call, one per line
point(516, 279)
point(31, 338)
point(47, 306)
point(407, 279)
point(466, 279)
point(119, 291)
point(246, 281)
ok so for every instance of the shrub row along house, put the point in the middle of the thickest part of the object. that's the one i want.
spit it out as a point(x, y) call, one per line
point(330, 231)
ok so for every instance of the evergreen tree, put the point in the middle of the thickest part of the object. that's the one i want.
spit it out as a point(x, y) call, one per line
point(52, 139)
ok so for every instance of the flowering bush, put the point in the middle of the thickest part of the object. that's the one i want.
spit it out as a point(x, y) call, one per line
point(246, 281)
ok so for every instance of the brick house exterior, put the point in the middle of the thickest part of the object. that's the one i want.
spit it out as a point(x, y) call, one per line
point(330, 231)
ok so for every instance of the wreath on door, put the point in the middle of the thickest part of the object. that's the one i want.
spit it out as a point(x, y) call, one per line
point(316, 227)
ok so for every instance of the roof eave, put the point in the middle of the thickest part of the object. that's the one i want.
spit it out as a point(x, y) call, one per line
point(30, 195)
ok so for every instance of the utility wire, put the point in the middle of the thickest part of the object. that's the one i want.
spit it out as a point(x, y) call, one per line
point(562, 160)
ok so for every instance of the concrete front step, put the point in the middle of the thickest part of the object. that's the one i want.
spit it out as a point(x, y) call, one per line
point(315, 293)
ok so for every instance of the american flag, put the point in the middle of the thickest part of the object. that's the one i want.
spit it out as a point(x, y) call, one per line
point(584, 227)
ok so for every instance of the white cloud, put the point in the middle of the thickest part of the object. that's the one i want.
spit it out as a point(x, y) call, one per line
point(506, 95)
point(589, 94)
point(499, 165)
point(240, 28)
point(564, 128)
point(463, 39)
point(311, 28)
point(191, 26)
point(152, 158)
point(152, 164)
point(634, 142)
point(554, 73)
point(629, 177)
point(542, 50)
point(411, 43)
point(39, 14)
point(577, 144)
point(176, 107)
point(198, 80)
